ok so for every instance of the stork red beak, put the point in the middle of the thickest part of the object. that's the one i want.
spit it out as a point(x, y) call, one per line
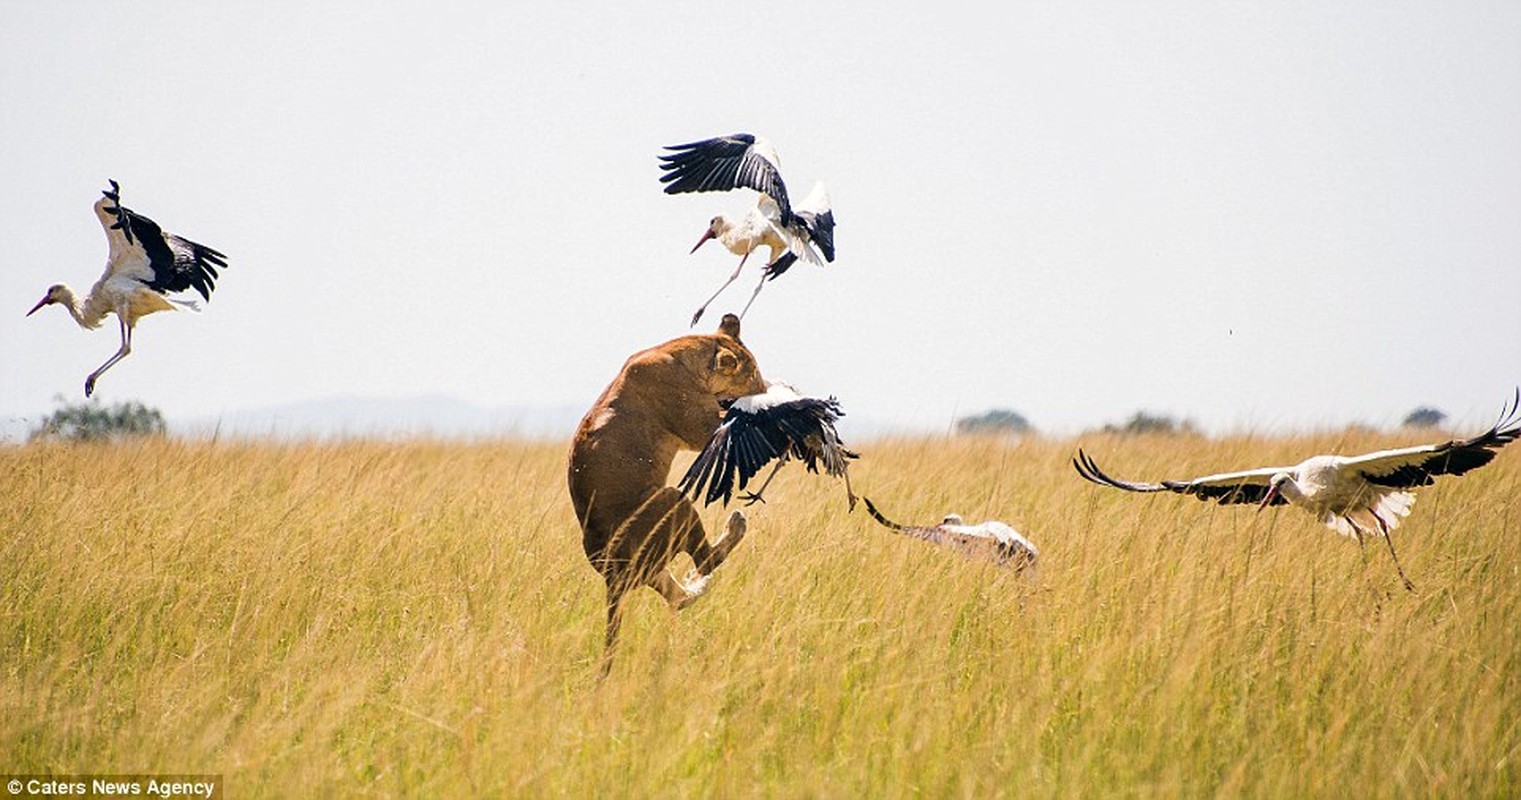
point(706, 235)
point(40, 303)
point(1267, 498)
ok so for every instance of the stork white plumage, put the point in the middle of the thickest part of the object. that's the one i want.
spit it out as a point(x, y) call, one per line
point(144, 265)
point(778, 425)
point(1357, 496)
point(791, 232)
point(992, 540)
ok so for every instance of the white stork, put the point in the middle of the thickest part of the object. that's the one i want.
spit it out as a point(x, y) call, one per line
point(991, 541)
point(779, 425)
point(745, 160)
point(143, 265)
point(1358, 496)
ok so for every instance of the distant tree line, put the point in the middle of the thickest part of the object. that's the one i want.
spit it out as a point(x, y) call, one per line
point(1146, 422)
point(1003, 421)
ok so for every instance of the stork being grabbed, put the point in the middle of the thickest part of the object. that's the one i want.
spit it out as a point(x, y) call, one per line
point(748, 161)
point(143, 265)
point(1357, 496)
point(991, 541)
point(778, 425)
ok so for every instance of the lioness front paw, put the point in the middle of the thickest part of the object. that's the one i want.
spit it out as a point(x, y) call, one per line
point(736, 526)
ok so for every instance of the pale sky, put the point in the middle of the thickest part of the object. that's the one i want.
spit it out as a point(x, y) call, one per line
point(1260, 216)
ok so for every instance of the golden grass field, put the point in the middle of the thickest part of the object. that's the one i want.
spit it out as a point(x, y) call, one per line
point(417, 619)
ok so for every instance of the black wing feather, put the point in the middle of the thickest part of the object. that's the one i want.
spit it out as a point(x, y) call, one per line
point(820, 229)
point(1231, 495)
point(747, 441)
point(782, 263)
point(122, 224)
point(720, 164)
point(749, 454)
point(1086, 467)
point(1458, 456)
point(724, 467)
point(701, 470)
point(1223, 493)
point(178, 264)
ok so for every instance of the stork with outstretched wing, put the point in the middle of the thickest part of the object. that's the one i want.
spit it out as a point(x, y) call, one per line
point(143, 267)
point(745, 161)
point(1354, 495)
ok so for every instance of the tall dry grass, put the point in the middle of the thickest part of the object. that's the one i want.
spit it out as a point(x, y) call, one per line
point(418, 619)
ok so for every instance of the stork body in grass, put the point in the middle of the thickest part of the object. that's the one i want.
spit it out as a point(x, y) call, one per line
point(991, 541)
point(143, 266)
point(1358, 496)
point(789, 231)
point(778, 425)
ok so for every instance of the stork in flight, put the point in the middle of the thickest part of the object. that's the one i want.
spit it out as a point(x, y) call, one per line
point(1358, 496)
point(991, 541)
point(143, 265)
point(778, 425)
point(745, 160)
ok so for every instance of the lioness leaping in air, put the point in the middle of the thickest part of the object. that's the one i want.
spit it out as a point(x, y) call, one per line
point(667, 398)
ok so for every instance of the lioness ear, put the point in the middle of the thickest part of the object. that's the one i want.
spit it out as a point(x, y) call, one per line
point(729, 326)
point(724, 361)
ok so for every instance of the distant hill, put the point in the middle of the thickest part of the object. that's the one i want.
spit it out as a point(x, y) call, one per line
point(401, 417)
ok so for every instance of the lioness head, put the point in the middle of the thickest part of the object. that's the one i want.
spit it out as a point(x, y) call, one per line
point(733, 372)
point(675, 390)
point(715, 369)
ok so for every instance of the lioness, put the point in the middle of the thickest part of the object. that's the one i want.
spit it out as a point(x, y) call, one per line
point(667, 398)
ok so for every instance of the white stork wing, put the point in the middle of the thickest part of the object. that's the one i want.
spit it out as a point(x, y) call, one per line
point(1005, 543)
point(126, 256)
point(141, 250)
point(1227, 488)
point(724, 163)
point(992, 539)
point(1409, 467)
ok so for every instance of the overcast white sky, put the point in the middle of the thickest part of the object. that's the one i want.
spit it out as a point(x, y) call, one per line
point(1257, 215)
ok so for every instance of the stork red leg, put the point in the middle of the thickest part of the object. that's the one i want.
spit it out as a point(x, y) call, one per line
point(121, 353)
point(751, 498)
point(732, 278)
point(1389, 540)
point(754, 294)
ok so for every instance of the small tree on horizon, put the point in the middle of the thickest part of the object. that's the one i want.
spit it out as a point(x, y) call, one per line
point(1424, 417)
point(998, 420)
point(92, 422)
point(1147, 422)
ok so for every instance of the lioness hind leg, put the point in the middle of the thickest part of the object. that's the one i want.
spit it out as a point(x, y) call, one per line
point(665, 524)
point(616, 589)
point(682, 592)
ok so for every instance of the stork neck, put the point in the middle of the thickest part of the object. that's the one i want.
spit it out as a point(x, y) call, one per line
point(1292, 492)
point(88, 312)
